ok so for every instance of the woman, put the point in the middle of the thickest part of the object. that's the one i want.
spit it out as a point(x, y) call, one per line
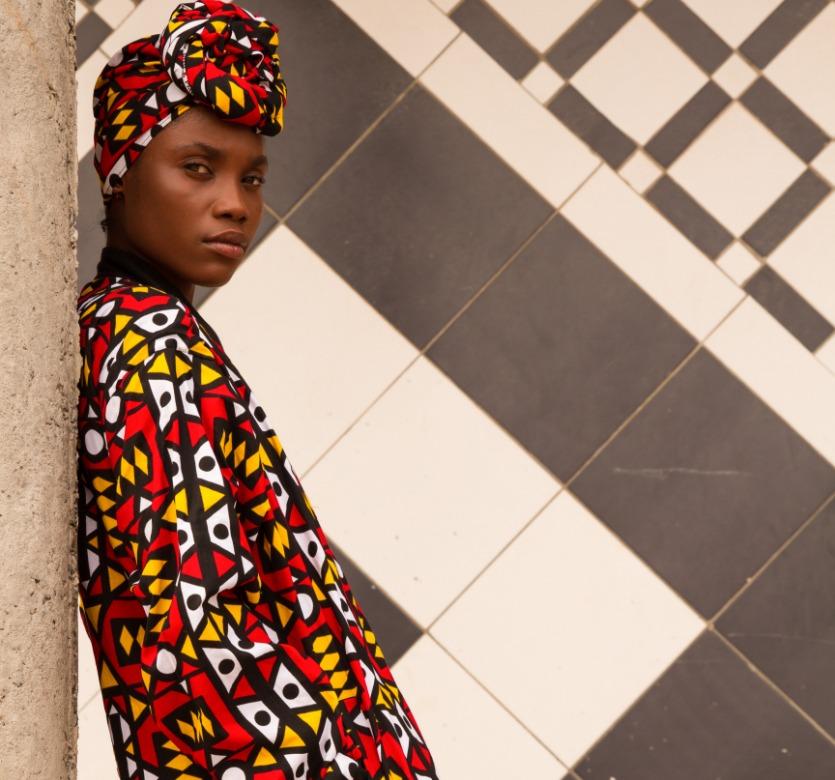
point(227, 640)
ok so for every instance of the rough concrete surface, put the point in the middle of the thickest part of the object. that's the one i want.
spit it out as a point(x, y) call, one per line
point(39, 344)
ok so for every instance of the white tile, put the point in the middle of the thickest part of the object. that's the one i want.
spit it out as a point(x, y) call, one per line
point(541, 22)
point(455, 715)
point(639, 79)
point(806, 259)
point(80, 11)
point(824, 163)
point(425, 489)
point(542, 81)
point(96, 760)
point(446, 5)
point(735, 75)
point(781, 371)
point(114, 12)
point(567, 628)
point(314, 352)
point(148, 18)
point(88, 676)
point(804, 69)
point(826, 353)
point(736, 20)
point(736, 168)
point(86, 76)
point(640, 170)
point(509, 120)
point(738, 263)
point(656, 256)
point(413, 32)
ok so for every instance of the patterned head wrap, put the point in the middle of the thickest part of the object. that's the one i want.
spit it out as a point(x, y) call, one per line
point(211, 53)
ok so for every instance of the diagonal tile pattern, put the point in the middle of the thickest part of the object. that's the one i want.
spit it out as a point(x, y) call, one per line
point(551, 285)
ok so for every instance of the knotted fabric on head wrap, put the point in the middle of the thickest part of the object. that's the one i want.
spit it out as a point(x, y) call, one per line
point(210, 53)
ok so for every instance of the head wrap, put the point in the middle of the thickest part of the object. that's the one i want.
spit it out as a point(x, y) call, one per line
point(210, 53)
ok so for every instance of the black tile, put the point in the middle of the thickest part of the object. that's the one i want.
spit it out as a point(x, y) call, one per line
point(89, 33)
point(784, 119)
point(787, 212)
point(91, 238)
point(339, 81)
point(789, 308)
point(689, 217)
point(419, 216)
point(688, 30)
point(585, 121)
point(778, 29)
point(556, 349)
point(588, 35)
point(493, 34)
point(396, 632)
point(784, 621)
point(687, 124)
point(705, 483)
point(710, 716)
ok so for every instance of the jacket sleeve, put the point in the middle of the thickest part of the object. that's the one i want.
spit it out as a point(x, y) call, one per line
point(221, 680)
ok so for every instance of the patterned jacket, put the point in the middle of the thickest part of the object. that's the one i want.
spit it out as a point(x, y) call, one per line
point(227, 639)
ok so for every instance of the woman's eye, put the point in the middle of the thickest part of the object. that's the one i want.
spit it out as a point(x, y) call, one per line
point(259, 179)
point(196, 163)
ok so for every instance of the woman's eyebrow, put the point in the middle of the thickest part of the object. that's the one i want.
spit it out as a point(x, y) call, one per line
point(212, 151)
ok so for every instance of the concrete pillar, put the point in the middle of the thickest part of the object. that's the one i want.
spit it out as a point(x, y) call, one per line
point(38, 394)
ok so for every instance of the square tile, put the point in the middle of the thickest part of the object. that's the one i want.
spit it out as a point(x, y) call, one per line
point(86, 77)
point(472, 84)
point(733, 21)
point(736, 168)
point(496, 37)
point(824, 163)
point(455, 713)
point(653, 253)
point(541, 23)
point(402, 219)
point(640, 170)
point(738, 262)
point(431, 525)
point(803, 69)
point(555, 348)
point(805, 258)
point(412, 32)
point(96, 757)
point(705, 472)
point(826, 353)
point(283, 287)
point(710, 716)
point(780, 370)
point(609, 628)
point(89, 34)
point(639, 79)
point(80, 11)
point(783, 621)
point(114, 12)
point(735, 75)
point(542, 81)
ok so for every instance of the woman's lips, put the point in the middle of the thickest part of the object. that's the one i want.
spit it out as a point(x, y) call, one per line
point(228, 250)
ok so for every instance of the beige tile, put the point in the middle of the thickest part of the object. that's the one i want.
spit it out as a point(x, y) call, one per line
point(738, 263)
point(804, 69)
point(541, 23)
point(88, 677)
point(114, 12)
point(542, 81)
point(413, 32)
point(736, 168)
point(446, 5)
point(86, 76)
point(96, 759)
point(314, 352)
point(780, 370)
point(425, 489)
point(735, 75)
point(509, 120)
point(148, 18)
point(656, 256)
point(639, 78)
point(80, 11)
point(567, 628)
point(456, 714)
point(736, 20)
point(806, 259)
point(826, 353)
point(640, 171)
point(824, 163)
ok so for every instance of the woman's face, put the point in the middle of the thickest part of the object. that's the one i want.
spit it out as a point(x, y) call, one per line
point(198, 177)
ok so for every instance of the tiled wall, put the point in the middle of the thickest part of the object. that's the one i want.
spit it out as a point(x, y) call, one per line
point(543, 311)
